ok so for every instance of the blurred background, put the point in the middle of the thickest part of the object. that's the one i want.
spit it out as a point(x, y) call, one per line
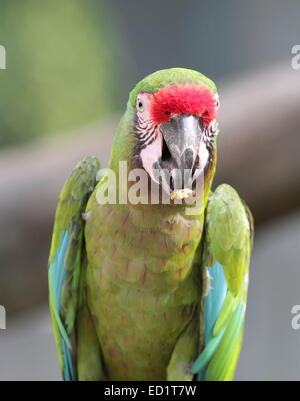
point(69, 68)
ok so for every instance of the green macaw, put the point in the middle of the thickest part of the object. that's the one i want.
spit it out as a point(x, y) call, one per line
point(144, 290)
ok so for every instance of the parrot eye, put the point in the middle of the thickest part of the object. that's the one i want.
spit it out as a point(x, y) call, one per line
point(217, 101)
point(140, 105)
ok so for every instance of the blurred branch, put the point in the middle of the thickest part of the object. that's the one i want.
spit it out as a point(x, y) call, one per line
point(260, 139)
point(258, 154)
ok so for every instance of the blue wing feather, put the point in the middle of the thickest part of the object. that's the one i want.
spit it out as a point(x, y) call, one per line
point(65, 261)
point(227, 243)
point(214, 300)
point(57, 275)
point(213, 303)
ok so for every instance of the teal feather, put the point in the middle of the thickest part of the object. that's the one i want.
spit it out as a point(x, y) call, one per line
point(214, 300)
point(206, 354)
point(57, 275)
point(213, 303)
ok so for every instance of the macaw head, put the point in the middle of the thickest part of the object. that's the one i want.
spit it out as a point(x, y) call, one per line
point(171, 127)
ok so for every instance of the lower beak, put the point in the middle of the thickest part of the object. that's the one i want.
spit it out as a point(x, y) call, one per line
point(181, 141)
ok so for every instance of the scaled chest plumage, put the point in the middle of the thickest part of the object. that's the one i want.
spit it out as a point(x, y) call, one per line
point(140, 278)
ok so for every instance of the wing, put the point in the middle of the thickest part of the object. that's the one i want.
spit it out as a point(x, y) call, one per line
point(65, 260)
point(225, 261)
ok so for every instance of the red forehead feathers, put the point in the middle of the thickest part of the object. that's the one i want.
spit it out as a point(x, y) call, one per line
point(183, 99)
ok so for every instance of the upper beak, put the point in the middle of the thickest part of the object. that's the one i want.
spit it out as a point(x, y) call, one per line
point(182, 136)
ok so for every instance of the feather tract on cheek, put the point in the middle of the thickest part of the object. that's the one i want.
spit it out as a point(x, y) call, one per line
point(183, 99)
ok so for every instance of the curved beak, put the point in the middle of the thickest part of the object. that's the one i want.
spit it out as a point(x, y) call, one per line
point(181, 142)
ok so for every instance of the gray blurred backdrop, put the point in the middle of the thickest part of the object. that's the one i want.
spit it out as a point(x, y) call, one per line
point(70, 66)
